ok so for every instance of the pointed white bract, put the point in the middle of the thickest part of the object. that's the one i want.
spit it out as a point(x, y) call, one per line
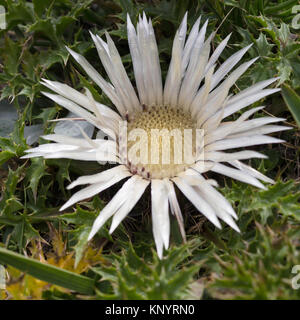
point(160, 215)
point(196, 84)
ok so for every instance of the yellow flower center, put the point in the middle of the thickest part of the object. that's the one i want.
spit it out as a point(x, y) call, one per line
point(160, 142)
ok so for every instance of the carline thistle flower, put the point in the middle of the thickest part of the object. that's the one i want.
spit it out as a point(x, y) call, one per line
point(194, 98)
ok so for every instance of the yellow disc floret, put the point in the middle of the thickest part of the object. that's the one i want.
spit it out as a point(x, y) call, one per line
point(159, 140)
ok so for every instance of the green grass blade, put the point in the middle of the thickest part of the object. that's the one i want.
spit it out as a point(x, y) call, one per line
point(48, 273)
point(292, 100)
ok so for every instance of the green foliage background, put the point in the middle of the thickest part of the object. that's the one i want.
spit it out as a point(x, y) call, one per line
point(39, 245)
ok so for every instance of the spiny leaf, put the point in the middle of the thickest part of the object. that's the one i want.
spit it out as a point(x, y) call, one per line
point(41, 6)
point(134, 277)
point(79, 217)
point(281, 198)
point(34, 174)
point(263, 46)
point(263, 271)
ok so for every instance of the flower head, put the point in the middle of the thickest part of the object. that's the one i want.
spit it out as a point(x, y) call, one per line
point(187, 113)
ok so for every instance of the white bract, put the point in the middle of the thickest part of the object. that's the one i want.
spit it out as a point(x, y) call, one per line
point(194, 95)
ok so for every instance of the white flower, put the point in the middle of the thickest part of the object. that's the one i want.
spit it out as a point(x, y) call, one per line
point(195, 95)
